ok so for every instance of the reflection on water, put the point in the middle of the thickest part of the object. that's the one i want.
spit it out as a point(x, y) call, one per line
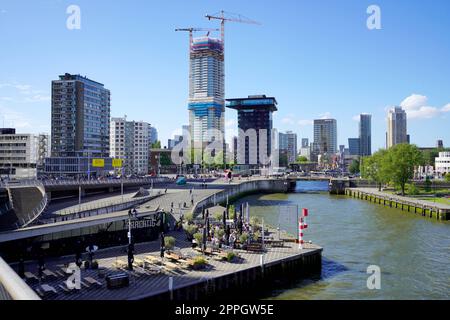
point(413, 252)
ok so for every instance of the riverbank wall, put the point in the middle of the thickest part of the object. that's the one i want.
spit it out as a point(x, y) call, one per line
point(424, 208)
point(240, 190)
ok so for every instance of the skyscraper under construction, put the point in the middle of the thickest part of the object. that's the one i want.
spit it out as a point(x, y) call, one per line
point(206, 90)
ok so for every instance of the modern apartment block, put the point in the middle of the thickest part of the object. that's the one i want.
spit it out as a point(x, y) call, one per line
point(254, 112)
point(206, 90)
point(442, 163)
point(129, 141)
point(80, 117)
point(18, 154)
point(325, 136)
point(396, 127)
point(365, 135)
point(287, 143)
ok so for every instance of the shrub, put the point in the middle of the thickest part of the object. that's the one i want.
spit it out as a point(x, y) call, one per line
point(427, 184)
point(231, 256)
point(254, 221)
point(447, 177)
point(198, 238)
point(256, 235)
point(413, 190)
point(169, 243)
point(243, 237)
point(190, 229)
point(189, 217)
point(220, 233)
point(218, 216)
point(199, 262)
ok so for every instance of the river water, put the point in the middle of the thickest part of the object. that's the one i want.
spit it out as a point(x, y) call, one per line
point(412, 252)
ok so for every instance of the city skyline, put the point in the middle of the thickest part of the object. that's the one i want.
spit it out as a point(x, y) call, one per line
point(155, 96)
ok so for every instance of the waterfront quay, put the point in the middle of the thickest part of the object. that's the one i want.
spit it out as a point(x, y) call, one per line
point(152, 277)
point(425, 208)
point(164, 279)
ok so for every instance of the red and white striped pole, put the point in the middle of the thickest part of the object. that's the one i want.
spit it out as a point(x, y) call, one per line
point(302, 225)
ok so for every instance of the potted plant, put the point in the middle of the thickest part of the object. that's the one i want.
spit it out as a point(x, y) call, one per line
point(190, 230)
point(169, 243)
point(231, 256)
point(243, 238)
point(198, 238)
point(189, 217)
point(199, 263)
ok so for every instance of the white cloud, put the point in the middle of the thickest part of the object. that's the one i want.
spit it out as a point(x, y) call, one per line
point(37, 98)
point(326, 115)
point(417, 107)
point(15, 119)
point(3, 11)
point(288, 120)
point(356, 118)
point(304, 123)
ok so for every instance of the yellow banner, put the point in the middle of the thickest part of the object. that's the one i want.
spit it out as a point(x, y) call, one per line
point(98, 163)
point(117, 163)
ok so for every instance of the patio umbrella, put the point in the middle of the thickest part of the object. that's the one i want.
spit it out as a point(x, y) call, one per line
point(224, 220)
point(162, 244)
point(204, 238)
point(130, 256)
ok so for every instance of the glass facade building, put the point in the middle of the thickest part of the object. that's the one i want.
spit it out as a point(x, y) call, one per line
point(325, 136)
point(365, 135)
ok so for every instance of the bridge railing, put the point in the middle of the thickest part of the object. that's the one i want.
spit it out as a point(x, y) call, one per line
point(12, 287)
point(102, 182)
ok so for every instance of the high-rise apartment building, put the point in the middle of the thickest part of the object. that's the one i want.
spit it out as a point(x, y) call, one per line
point(396, 127)
point(152, 135)
point(80, 117)
point(129, 141)
point(287, 143)
point(365, 135)
point(206, 91)
point(325, 136)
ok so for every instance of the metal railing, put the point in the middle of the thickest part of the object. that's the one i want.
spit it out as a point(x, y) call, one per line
point(98, 209)
point(12, 287)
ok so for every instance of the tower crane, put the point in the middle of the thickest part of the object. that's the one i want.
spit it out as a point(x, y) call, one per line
point(229, 17)
point(192, 30)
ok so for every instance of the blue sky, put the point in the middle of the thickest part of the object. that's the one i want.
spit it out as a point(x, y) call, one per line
point(317, 58)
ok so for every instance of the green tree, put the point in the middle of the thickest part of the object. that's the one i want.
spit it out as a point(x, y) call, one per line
point(447, 177)
point(302, 159)
point(156, 145)
point(427, 184)
point(400, 161)
point(374, 169)
point(354, 167)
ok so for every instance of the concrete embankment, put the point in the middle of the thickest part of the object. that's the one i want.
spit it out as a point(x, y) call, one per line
point(242, 189)
point(425, 208)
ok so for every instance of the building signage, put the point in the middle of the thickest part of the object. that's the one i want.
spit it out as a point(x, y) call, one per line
point(147, 222)
point(98, 163)
point(117, 163)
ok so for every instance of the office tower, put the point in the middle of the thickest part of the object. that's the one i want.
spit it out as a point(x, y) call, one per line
point(152, 135)
point(287, 143)
point(365, 135)
point(206, 91)
point(80, 117)
point(305, 143)
point(254, 112)
point(354, 145)
point(439, 144)
point(325, 136)
point(18, 154)
point(396, 127)
point(129, 142)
